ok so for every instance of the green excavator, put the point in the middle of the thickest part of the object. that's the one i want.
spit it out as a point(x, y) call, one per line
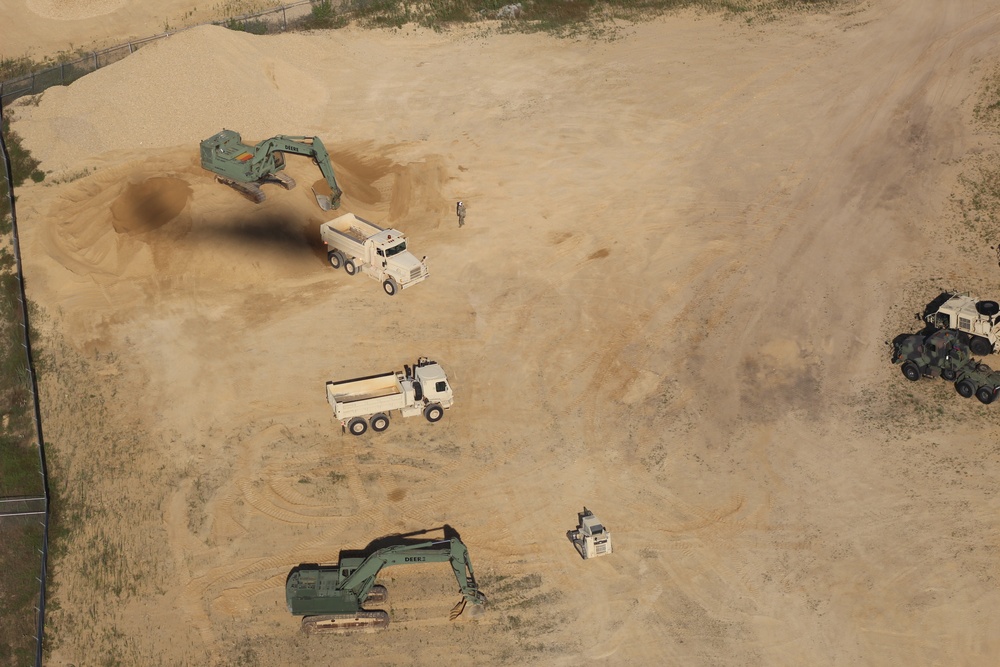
point(332, 597)
point(245, 168)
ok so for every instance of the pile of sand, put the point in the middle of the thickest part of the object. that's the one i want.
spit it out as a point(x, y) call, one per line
point(177, 92)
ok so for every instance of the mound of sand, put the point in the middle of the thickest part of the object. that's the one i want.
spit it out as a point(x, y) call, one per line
point(255, 93)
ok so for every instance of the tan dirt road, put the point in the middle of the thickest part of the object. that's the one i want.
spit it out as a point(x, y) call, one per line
point(685, 251)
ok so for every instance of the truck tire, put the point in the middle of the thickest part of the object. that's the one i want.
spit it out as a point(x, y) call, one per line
point(985, 395)
point(350, 267)
point(988, 308)
point(980, 347)
point(965, 388)
point(390, 286)
point(335, 258)
point(357, 426)
point(948, 374)
point(433, 412)
point(911, 371)
point(379, 422)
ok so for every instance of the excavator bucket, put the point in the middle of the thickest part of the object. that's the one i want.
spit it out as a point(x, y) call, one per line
point(325, 201)
point(457, 610)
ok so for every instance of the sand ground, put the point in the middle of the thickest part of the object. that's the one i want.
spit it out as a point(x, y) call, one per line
point(685, 252)
point(43, 28)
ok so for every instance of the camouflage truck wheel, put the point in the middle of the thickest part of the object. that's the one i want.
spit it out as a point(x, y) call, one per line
point(911, 371)
point(948, 374)
point(985, 395)
point(965, 388)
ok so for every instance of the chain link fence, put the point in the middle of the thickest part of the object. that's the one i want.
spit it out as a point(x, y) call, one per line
point(273, 20)
point(25, 518)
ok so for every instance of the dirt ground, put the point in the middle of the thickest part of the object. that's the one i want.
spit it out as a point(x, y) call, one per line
point(686, 249)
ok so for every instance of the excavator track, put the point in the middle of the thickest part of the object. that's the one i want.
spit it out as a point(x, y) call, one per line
point(344, 624)
point(377, 595)
point(281, 178)
point(249, 190)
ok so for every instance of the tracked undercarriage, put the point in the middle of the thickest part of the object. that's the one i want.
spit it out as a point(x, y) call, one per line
point(360, 622)
point(252, 190)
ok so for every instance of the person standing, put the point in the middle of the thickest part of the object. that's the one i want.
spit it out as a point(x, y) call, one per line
point(460, 211)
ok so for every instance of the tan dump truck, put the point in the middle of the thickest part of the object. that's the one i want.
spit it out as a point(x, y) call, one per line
point(358, 245)
point(368, 401)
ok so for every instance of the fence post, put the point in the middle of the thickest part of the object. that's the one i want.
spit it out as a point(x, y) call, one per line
point(130, 51)
point(95, 61)
point(284, 18)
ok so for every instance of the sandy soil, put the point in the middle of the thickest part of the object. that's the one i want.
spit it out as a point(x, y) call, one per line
point(685, 251)
point(41, 28)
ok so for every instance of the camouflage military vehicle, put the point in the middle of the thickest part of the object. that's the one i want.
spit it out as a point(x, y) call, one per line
point(946, 354)
point(942, 354)
point(979, 379)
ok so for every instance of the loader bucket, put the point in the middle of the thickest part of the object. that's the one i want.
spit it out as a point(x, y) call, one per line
point(325, 201)
point(457, 610)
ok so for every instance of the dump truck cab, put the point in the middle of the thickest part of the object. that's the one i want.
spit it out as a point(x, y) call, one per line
point(430, 379)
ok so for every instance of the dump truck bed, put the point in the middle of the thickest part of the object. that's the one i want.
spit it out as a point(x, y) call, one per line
point(365, 396)
point(351, 225)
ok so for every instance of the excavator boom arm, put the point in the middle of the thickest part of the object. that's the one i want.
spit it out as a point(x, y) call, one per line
point(453, 551)
point(309, 146)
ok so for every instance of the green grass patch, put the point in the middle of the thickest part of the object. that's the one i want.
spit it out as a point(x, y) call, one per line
point(11, 68)
point(20, 560)
point(324, 17)
point(559, 17)
point(23, 166)
point(20, 537)
point(19, 465)
point(252, 26)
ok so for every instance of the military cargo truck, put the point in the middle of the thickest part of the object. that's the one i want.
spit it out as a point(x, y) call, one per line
point(942, 354)
point(368, 401)
point(945, 354)
point(979, 319)
point(976, 378)
point(358, 245)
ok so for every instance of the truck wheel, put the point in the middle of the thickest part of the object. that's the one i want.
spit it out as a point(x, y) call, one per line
point(965, 388)
point(379, 422)
point(357, 426)
point(390, 286)
point(911, 371)
point(336, 259)
point(948, 374)
point(985, 395)
point(350, 267)
point(980, 346)
point(433, 412)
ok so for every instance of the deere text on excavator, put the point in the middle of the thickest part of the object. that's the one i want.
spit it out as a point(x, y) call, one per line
point(330, 597)
point(245, 168)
